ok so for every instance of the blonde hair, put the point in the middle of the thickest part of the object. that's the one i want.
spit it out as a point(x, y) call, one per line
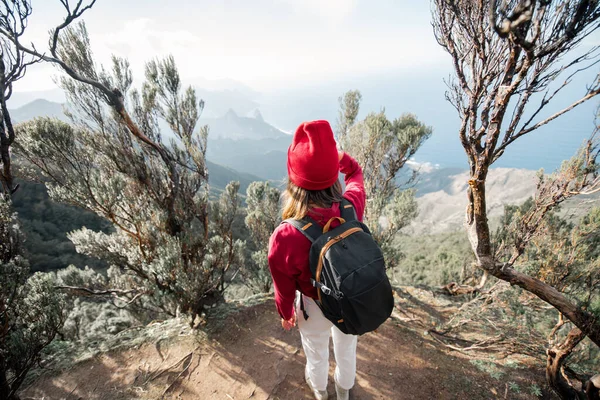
point(298, 201)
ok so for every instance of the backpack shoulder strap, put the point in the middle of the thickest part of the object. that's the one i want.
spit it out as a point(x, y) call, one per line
point(307, 226)
point(347, 210)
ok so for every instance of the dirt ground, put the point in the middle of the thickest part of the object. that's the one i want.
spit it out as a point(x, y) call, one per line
point(251, 357)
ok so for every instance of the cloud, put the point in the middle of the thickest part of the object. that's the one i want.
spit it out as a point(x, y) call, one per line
point(221, 49)
point(270, 44)
point(140, 40)
point(425, 167)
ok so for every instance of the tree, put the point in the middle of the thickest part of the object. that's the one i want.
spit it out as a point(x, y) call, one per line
point(165, 249)
point(263, 216)
point(507, 60)
point(382, 147)
point(172, 247)
point(31, 309)
point(565, 255)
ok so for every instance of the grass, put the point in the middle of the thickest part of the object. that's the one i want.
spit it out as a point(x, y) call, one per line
point(488, 367)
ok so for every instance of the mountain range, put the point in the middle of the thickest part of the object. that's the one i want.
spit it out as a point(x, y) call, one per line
point(249, 144)
point(232, 126)
point(219, 175)
point(235, 142)
point(421, 93)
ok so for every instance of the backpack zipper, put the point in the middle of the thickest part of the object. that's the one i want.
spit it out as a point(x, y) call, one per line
point(325, 248)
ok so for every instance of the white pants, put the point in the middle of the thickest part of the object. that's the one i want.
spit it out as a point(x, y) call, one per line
point(315, 333)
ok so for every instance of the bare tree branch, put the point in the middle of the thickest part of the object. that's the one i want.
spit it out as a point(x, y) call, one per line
point(13, 64)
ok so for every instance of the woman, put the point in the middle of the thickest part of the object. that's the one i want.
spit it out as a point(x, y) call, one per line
point(313, 189)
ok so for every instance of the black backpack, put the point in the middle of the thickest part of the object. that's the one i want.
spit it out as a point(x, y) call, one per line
point(348, 271)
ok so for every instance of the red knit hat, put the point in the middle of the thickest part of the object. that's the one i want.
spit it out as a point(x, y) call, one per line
point(313, 162)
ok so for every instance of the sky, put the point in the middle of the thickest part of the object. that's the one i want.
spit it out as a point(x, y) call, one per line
point(262, 43)
point(297, 57)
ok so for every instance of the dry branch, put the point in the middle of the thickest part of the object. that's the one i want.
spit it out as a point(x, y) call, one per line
point(160, 372)
point(488, 344)
point(186, 364)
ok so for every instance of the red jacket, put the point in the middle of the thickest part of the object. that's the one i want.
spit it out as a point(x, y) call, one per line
point(289, 249)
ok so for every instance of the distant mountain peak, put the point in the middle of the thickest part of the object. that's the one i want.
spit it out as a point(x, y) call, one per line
point(230, 114)
point(256, 115)
point(37, 102)
point(38, 108)
point(242, 126)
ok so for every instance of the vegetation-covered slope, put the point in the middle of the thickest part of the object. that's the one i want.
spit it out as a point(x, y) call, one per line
point(46, 223)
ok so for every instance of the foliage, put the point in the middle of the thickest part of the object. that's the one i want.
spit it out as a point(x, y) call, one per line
point(433, 260)
point(561, 253)
point(91, 317)
point(262, 218)
point(513, 386)
point(535, 390)
point(31, 309)
point(172, 247)
point(382, 147)
point(488, 367)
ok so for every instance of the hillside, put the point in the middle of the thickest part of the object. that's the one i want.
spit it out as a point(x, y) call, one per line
point(443, 199)
point(46, 223)
point(244, 354)
point(219, 176)
point(266, 157)
point(38, 108)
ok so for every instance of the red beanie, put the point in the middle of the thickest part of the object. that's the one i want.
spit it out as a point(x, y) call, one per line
point(313, 162)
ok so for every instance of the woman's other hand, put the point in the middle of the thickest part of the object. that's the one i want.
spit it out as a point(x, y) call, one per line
point(290, 323)
point(340, 155)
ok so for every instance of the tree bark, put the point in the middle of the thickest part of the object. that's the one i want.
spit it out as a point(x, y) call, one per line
point(456, 289)
point(592, 388)
point(5, 174)
point(556, 357)
point(477, 224)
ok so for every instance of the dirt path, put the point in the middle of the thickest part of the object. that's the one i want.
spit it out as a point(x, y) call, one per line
point(251, 357)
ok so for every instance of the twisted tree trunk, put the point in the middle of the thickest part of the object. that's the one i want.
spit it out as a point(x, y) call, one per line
point(556, 356)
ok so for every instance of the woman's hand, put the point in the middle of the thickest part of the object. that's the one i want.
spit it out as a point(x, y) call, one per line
point(290, 323)
point(340, 155)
